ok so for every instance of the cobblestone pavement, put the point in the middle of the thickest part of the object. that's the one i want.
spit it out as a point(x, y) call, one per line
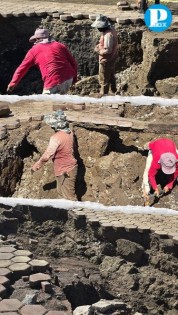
point(36, 6)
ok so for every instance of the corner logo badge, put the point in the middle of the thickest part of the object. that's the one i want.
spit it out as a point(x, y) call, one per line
point(158, 18)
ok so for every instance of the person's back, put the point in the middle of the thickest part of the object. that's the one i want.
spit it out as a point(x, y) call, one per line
point(161, 146)
point(57, 65)
point(63, 159)
point(54, 62)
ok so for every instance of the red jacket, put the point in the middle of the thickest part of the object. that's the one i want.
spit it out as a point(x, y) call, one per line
point(54, 61)
point(157, 148)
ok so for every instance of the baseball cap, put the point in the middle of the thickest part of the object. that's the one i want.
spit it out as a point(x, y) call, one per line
point(168, 163)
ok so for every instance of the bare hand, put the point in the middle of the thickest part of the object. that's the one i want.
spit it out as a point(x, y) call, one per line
point(166, 189)
point(35, 167)
point(157, 192)
point(10, 88)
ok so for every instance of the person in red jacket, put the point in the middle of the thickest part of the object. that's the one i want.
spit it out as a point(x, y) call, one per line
point(107, 49)
point(162, 156)
point(61, 150)
point(57, 66)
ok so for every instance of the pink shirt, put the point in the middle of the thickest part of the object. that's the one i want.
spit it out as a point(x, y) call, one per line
point(157, 148)
point(60, 149)
point(108, 46)
point(54, 61)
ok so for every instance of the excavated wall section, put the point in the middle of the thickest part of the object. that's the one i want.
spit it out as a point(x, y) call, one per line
point(135, 255)
point(110, 150)
point(75, 32)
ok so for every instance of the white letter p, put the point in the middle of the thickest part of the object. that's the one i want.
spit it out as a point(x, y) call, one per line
point(157, 15)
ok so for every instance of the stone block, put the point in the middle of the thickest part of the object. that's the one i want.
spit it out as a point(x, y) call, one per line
point(7, 249)
point(37, 117)
point(83, 310)
point(22, 252)
point(46, 286)
point(36, 279)
point(41, 13)
point(21, 259)
point(3, 134)
point(56, 15)
point(6, 15)
point(5, 272)
point(92, 17)
point(19, 270)
point(5, 256)
point(175, 239)
point(124, 8)
point(29, 14)
point(5, 263)
point(65, 17)
point(39, 265)
point(102, 306)
point(121, 3)
point(2, 291)
point(10, 305)
point(4, 109)
point(13, 125)
point(18, 14)
point(77, 16)
point(32, 309)
point(4, 281)
point(85, 15)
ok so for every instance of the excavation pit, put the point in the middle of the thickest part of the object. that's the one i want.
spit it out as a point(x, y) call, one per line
point(115, 261)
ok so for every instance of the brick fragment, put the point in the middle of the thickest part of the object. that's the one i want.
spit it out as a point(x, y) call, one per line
point(65, 17)
point(77, 16)
point(36, 279)
point(46, 286)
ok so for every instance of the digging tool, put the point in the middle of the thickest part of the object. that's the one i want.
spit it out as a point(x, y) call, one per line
point(150, 199)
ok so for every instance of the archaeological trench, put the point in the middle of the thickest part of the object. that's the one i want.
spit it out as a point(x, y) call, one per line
point(82, 260)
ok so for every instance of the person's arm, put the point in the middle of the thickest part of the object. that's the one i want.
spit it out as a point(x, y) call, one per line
point(19, 73)
point(49, 153)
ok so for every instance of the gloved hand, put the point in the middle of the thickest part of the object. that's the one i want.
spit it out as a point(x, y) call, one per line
point(10, 88)
point(166, 189)
point(157, 192)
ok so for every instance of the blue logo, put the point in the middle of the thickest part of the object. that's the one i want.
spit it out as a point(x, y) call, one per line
point(158, 18)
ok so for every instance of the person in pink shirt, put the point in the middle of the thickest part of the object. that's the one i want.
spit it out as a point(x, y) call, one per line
point(107, 49)
point(162, 156)
point(60, 150)
point(57, 66)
